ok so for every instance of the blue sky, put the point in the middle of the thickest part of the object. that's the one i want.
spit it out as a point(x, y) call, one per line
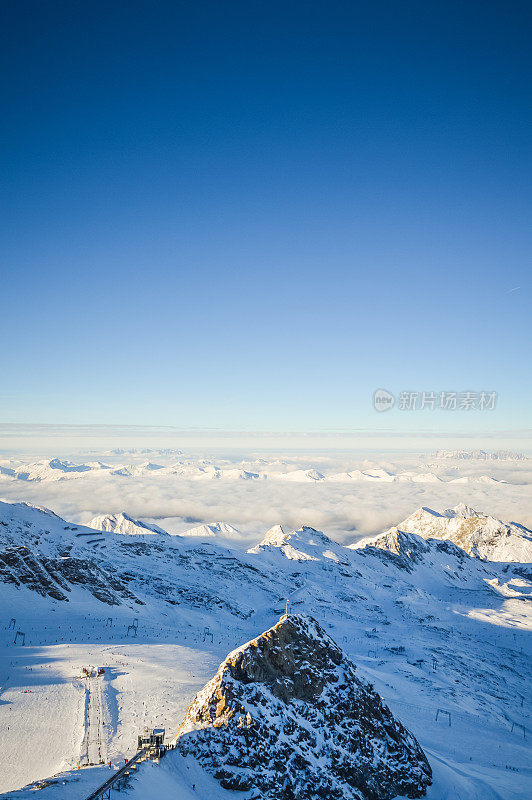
point(250, 215)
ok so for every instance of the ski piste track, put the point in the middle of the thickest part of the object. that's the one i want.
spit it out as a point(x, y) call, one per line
point(94, 744)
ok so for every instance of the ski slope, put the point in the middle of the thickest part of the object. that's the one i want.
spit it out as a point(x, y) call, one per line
point(430, 626)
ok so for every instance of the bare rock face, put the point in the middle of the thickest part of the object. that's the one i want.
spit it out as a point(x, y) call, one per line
point(287, 716)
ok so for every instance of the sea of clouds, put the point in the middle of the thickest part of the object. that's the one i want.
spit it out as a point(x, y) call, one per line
point(345, 510)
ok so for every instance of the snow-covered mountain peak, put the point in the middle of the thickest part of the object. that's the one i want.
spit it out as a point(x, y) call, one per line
point(291, 697)
point(124, 524)
point(437, 560)
point(25, 506)
point(304, 544)
point(478, 534)
point(461, 510)
point(221, 530)
point(394, 541)
point(277, 535)
point(149, 466)
point(299, 476)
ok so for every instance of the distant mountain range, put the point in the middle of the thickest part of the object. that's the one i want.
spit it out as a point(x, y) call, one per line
point(51, 470)
point(480, 455)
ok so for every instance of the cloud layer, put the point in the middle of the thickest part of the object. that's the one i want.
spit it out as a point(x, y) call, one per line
point(346, 509)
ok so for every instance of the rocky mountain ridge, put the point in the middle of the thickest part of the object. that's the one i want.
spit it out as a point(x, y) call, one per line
point(287, 715)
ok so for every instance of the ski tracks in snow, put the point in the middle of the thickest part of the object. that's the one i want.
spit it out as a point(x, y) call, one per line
point(94, 745)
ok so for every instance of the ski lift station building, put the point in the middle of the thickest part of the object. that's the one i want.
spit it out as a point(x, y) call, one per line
point(152, 739)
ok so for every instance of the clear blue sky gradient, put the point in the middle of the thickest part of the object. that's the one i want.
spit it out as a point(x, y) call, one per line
point(249, 215)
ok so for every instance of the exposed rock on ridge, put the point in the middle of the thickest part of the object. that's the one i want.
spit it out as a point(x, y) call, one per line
point(287, 716)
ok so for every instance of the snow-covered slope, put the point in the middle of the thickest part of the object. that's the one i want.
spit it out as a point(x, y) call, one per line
point(287, 716)
point(41, 551)
point(436, 631)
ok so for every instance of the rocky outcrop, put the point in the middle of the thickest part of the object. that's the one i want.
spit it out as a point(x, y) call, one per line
point(55, 577)
point(287, 716)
